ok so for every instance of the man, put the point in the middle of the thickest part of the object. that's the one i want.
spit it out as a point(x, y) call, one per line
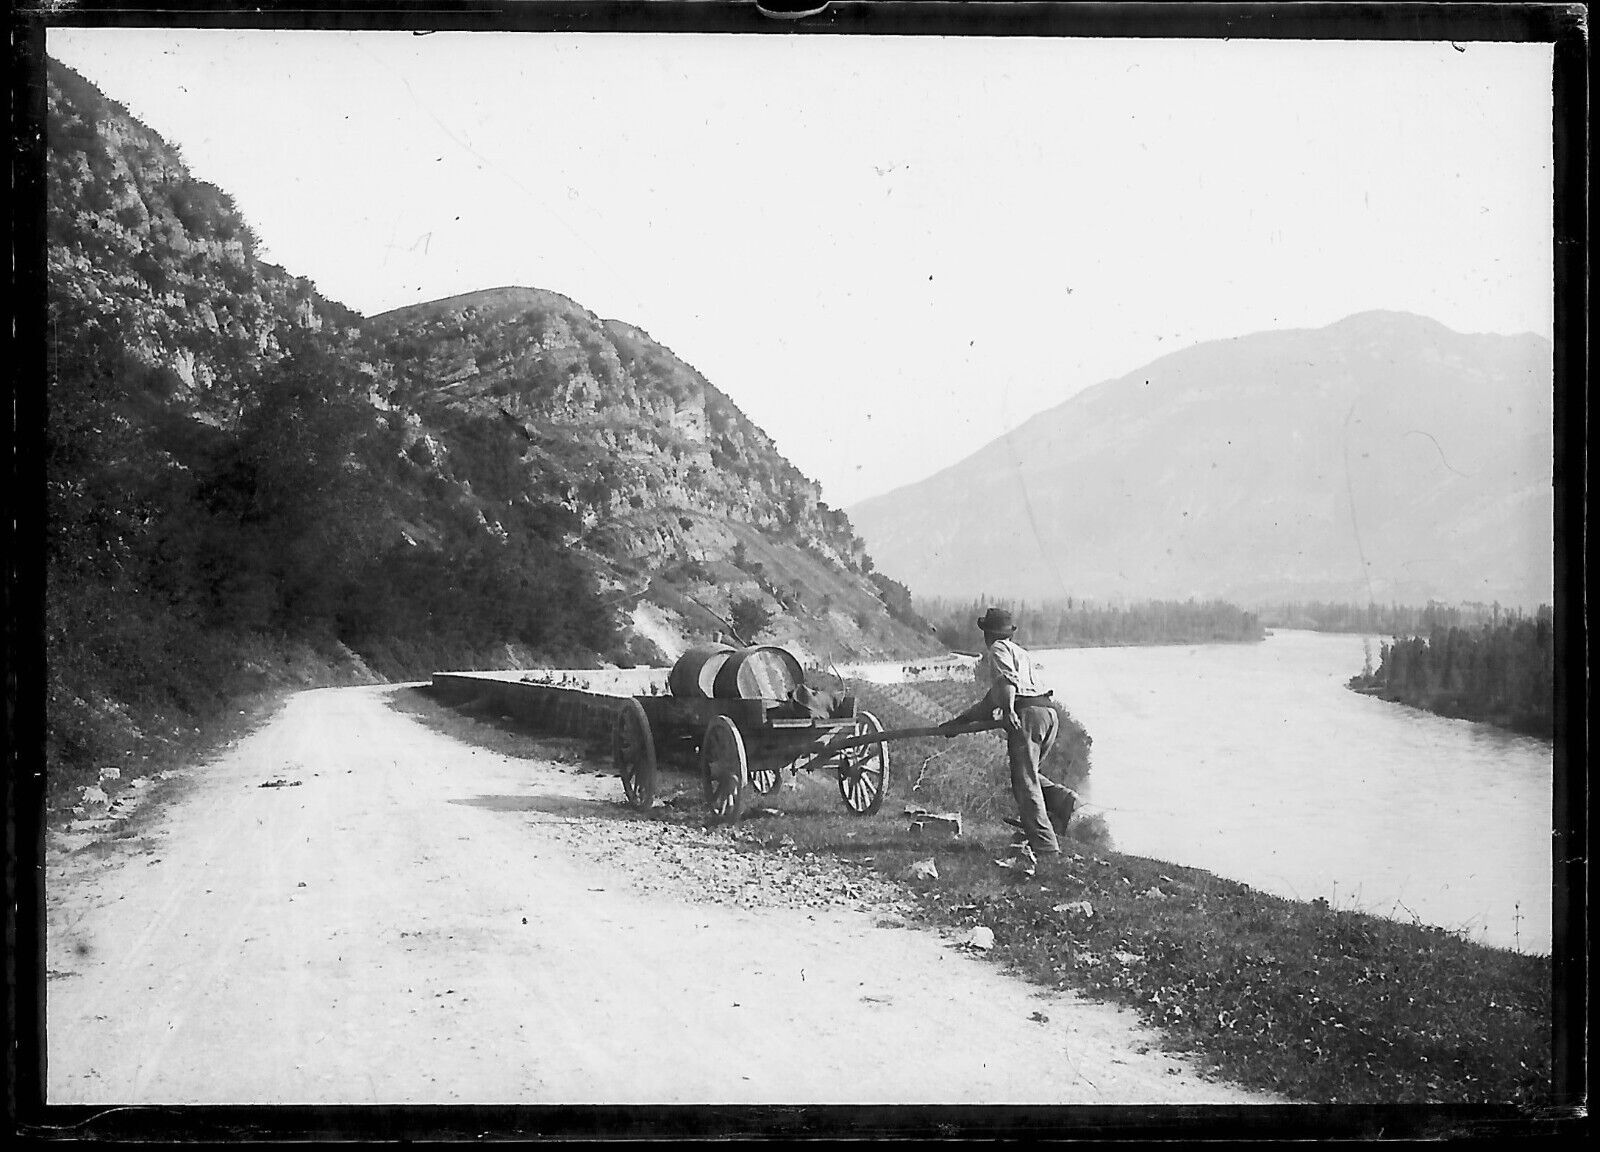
point(1031, 724)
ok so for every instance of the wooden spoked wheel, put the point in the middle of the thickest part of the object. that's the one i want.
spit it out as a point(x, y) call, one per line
point(864, 772)
point(766, 777)
point(724, 770)
point(633, 755)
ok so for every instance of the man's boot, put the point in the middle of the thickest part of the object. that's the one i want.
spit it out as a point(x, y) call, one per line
point(1061, 806)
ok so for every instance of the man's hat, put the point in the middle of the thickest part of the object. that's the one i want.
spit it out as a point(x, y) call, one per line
point(998, 620)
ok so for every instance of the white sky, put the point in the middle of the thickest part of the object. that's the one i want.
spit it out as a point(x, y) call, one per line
point(887, 251)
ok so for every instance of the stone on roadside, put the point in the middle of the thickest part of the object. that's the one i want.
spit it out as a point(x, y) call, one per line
point(1154, 893)
point(921, 870)
point(981, 938)
point(1076, 908)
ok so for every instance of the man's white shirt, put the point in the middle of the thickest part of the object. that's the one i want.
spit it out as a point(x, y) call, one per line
point(1005, 660)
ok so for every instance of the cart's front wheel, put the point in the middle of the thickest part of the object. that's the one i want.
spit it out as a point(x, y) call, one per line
point(633, 755)
point(864, 772)
point(724, 769)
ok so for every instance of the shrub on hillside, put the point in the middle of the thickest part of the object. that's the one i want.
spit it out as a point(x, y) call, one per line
point(896, 598)
point(968, 773)
point(748, 617)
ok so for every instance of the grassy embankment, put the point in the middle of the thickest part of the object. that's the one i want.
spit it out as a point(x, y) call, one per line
point(1314, 1003)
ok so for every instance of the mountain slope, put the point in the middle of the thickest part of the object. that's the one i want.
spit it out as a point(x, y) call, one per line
point(680, 504)
point(1382, 457)
point(509, 428)
point(245, 480)
point(160, 261)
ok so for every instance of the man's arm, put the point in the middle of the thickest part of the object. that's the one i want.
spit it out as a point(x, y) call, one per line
point(1002, 695)
point(1007, 691)
point(977, 710)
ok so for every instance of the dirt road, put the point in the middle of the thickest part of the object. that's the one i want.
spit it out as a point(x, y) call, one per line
point(409, 919)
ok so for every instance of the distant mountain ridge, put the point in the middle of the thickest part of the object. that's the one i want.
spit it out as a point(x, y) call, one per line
point(1383, 456)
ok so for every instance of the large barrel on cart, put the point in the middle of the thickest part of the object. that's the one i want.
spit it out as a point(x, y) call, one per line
point(723, 673)
point(739, 716)
point(695, 673)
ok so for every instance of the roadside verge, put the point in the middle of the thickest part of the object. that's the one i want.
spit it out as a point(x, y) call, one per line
point(1298, 999)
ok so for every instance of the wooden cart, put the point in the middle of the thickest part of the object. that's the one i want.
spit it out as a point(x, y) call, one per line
point(741, 747)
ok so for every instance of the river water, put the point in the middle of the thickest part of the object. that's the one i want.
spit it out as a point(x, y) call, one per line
point(1255, 762)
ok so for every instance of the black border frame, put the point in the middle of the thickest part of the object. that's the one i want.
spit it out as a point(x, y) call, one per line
point(1564, 26)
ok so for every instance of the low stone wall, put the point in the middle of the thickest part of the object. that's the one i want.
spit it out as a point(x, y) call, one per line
point(562, 711)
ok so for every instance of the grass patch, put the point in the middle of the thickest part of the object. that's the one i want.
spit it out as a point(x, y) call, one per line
point(1315, 1004)
point(1318, 1005)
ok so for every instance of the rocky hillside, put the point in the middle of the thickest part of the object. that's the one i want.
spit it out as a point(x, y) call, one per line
point(239, 469)
point(145, 255)
point(682, 505)
point(1383, 457)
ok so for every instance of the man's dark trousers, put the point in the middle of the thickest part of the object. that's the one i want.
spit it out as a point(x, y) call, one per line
point(1037, 796)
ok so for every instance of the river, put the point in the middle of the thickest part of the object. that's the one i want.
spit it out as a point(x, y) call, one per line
point(1255, 762)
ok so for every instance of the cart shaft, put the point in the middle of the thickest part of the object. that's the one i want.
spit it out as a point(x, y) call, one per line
point(896, 734)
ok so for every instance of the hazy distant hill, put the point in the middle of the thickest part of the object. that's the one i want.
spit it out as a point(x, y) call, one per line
point(1383, 456)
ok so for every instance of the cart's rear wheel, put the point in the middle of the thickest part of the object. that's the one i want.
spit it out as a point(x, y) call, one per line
point(864, 772)
point(633, 755)
point(766, 777)
point(724, 769)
